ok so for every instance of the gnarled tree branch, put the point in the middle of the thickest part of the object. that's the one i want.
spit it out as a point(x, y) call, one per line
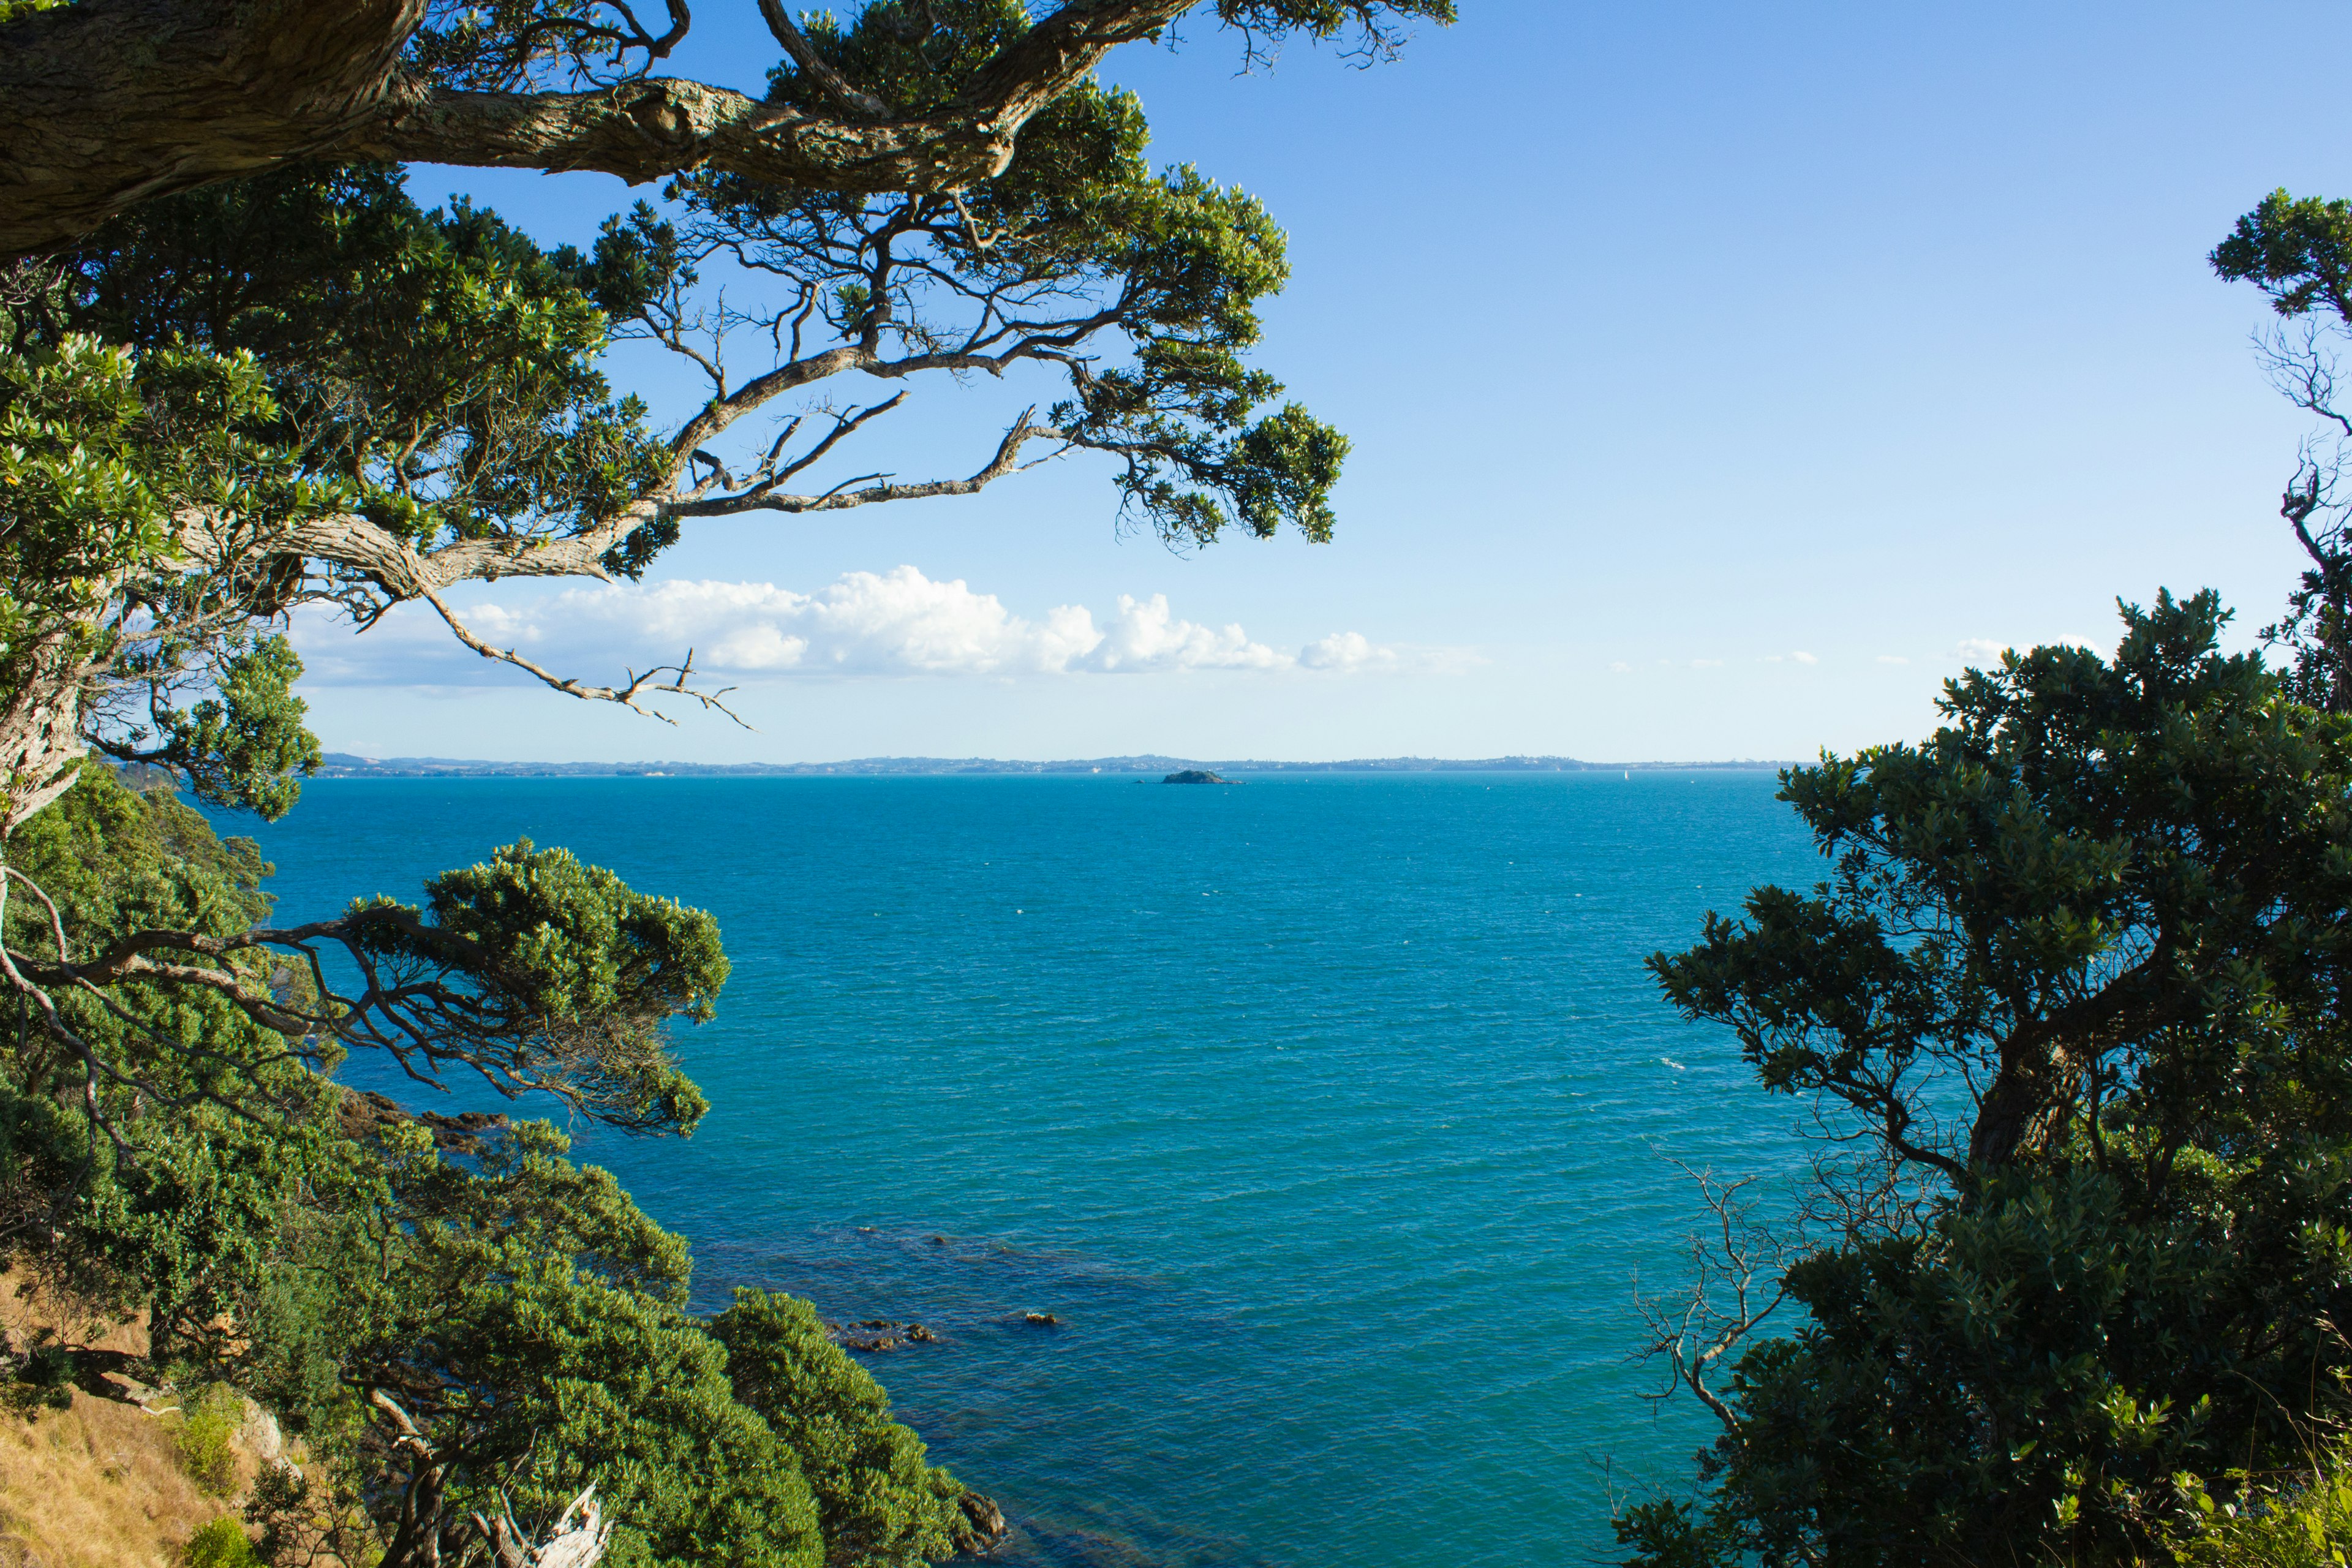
point(108, 103)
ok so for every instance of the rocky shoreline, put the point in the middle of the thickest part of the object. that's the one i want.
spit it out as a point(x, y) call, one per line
point(984, 1529)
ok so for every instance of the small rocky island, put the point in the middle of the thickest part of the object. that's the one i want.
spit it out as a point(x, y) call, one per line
point(1196, 775)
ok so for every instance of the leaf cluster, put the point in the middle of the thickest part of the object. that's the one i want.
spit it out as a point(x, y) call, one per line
point(437, 365)
point(545, 973)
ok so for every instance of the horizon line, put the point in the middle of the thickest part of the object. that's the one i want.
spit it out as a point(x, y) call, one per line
point(335, 765)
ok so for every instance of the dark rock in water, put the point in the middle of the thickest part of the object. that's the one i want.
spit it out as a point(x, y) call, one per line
point(366, 1114)
point(1043, 1320)
point(938, 1241)
point(877, 1323)
point(983, 1528)
point(919, 1334)
point(1196, 775)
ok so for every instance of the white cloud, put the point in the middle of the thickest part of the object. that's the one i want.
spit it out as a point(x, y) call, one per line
point(1801, 657)
point(1892, 658)
point(1620, 667)
point(1987, 651)
point(895, 623)
point(1346, 650)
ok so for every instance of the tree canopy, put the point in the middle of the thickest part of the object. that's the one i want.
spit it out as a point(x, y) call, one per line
point(2071, 1006)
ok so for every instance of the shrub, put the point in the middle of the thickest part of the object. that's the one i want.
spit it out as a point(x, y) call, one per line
point(2302, 1522)
point(207, 1423)
point(221, 1544)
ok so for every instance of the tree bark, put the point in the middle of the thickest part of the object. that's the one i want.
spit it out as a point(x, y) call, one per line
point(108, 103)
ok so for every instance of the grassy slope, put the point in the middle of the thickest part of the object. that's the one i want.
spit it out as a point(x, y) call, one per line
point(98, 1485)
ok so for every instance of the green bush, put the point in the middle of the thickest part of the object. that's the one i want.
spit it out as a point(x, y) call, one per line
point(880, 1504)
point(2301, 1521)
point(221, 1544)
point(207, 1423)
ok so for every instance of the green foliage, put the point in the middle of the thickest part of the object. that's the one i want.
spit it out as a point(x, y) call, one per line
point(2077, 978)
point(207, 1422)
point(221, 1544)
point(42, 1380)
point(247, 747)
point(100, 448)
point(2295, 1520)
point(437, 365)
point(879, 1503)
point(2298, 250)
point(573, 979)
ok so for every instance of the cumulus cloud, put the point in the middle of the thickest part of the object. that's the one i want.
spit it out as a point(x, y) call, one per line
point(1988, 650)
point(1892, 658)
point(895, 623)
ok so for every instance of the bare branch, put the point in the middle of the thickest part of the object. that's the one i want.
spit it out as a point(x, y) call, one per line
point(1738, 1268)
point(627, 695)
point(840, 497)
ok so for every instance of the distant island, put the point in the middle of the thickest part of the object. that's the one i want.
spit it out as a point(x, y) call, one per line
point(1196, 775)
point(344, 764)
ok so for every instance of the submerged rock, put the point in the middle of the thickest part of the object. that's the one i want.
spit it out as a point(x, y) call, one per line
point(877, 1334)
point(1043, 1320)
point(983, 1528)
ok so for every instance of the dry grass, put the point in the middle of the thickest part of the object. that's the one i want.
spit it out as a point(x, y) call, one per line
point(98, 1486)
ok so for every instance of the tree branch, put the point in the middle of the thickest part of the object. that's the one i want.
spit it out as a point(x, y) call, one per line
point(108, 103)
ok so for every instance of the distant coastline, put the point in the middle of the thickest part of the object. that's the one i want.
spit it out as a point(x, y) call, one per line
point(344, 764)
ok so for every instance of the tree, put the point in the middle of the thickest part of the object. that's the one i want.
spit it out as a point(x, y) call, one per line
point(2299, 252)
point(879, 1501)
point(301, 389)
point(2077, 978)
point(108, 103)
point(458, 1320)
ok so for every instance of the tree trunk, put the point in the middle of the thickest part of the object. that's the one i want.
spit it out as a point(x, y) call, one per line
point(105, 103)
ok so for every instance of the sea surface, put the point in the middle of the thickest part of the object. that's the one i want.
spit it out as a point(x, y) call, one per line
point(1330, 1114)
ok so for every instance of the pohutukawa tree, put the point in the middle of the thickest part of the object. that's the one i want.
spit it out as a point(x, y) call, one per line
point(2069, 1004)
point(298, 387)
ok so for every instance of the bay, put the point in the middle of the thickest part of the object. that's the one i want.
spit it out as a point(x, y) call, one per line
point(1330, 1114)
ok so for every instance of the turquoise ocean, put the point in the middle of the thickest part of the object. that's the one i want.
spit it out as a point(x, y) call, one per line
point(1330, 1114)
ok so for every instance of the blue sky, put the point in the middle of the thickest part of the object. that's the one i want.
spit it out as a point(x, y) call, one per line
point(1721, 378)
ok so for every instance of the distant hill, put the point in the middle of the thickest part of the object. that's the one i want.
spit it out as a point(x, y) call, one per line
point(343, 764)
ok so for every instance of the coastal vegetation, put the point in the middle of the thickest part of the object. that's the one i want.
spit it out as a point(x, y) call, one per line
point(270, 379)
point(2069, 1279)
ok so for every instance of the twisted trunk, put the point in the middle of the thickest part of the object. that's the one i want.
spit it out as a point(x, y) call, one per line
point(108, 103)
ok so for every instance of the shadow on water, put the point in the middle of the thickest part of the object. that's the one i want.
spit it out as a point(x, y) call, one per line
point(970, 1391)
